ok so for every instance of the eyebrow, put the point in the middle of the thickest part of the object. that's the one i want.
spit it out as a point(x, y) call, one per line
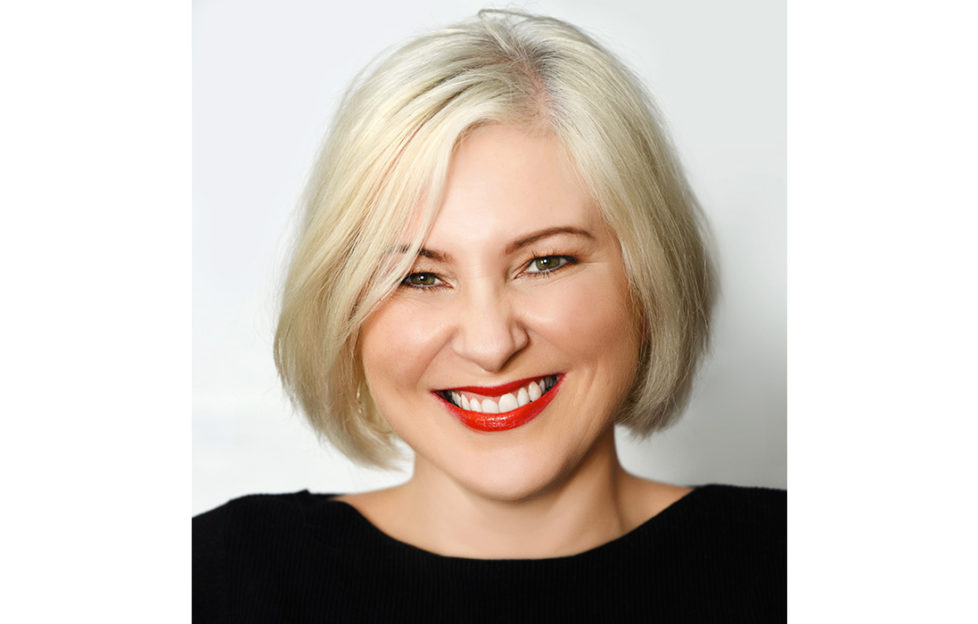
point(427, 253)
point(532, 238)
point(514, 246)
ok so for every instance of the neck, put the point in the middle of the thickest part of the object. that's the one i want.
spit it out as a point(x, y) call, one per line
point(579, 511)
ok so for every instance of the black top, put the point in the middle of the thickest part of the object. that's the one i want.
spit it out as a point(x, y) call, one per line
point(716, 555)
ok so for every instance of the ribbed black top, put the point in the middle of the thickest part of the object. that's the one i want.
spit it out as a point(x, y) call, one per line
point(716, 555)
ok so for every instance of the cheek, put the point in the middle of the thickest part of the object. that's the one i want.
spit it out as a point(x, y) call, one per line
point(592, 321)
point(396, 344)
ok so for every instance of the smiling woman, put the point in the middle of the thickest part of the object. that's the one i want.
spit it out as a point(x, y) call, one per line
point(524, 299)
point(500, 260)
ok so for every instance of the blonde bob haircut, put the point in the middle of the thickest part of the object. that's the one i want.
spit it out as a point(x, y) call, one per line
point(384, 164)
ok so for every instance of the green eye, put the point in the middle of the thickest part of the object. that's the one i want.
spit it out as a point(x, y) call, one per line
point(546, 264)
point(421, 280)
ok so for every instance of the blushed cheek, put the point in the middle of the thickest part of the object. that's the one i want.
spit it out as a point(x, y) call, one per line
point(590, 321)
point(397, 343)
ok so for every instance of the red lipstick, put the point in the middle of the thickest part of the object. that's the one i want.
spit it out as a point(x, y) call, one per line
point(507, 420)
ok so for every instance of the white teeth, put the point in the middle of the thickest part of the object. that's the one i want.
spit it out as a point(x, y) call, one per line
point(507, 402)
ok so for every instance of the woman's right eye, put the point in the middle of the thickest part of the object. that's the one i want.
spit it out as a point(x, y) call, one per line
point(421, 280)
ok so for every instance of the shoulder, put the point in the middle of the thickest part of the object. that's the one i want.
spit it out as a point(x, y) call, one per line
point(737, 528)
point(741, 511)
point(734, 528)
point(248, 540)
point(731, 543)
point(264, 517)
point(211, 529)
point(252, 506)
point(738, 501)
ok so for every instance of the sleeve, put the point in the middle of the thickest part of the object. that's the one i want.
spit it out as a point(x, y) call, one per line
point(209, 576)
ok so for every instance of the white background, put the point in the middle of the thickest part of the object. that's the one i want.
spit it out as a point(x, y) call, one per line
point(95, 241)
point(267, 77)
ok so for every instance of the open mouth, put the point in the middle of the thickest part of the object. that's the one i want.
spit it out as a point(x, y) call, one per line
point(502, 407)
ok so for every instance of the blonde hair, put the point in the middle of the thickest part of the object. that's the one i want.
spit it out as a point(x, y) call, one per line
point(388, 153)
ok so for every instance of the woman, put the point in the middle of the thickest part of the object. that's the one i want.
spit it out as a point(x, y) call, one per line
point(500, 260)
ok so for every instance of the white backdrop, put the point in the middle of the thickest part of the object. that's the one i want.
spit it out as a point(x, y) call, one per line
point(266, 79)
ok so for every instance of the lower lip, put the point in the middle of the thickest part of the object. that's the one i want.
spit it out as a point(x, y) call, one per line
point(507, 420)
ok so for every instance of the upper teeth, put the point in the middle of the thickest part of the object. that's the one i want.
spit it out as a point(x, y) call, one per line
point(507, 402)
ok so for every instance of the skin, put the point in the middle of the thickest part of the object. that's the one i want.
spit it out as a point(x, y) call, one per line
point(481, 309)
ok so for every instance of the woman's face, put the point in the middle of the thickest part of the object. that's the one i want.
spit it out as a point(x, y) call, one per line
point(517, 304)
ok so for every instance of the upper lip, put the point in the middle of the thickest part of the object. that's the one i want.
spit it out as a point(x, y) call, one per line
point(500, 390)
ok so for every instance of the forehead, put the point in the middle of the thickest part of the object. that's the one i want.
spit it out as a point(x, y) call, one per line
point(504, 181)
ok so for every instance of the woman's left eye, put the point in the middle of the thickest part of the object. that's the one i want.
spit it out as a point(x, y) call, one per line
point(547, 264)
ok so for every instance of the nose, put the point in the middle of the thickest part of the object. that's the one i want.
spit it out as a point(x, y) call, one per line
point(489, 332)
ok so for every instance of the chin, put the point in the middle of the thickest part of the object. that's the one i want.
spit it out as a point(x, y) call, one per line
point(512, 479)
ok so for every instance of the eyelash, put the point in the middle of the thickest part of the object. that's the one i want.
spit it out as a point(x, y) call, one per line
point(562, 259)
